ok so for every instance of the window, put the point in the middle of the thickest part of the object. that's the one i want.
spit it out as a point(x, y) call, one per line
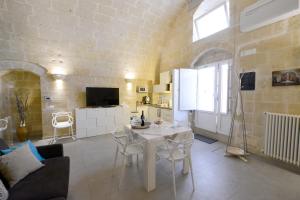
point(211, 22)
point(213, 88)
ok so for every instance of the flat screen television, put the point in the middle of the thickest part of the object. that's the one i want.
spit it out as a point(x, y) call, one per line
point(102, 97)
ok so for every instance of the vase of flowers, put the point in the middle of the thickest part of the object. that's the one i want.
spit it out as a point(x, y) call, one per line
point(22, 107)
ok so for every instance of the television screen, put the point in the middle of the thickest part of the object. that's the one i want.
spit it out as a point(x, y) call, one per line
point(102, 97)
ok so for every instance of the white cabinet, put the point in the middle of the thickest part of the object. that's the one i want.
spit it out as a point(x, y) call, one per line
point(164, 83)
point(167, 115)
point(161, 88)
point(97, 121)
point(152, 113)
point(165, 77)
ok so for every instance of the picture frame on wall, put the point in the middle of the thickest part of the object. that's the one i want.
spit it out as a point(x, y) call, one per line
point(247, 81)
point(286, 77)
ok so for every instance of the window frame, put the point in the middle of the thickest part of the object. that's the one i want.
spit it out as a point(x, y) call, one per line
point(226, 5)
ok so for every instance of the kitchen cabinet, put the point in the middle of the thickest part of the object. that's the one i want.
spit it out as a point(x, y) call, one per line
point(167, 115)
point(165, 77)
point(152, 111)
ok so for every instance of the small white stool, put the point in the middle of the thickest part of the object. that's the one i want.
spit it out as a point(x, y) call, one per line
point(62, 120)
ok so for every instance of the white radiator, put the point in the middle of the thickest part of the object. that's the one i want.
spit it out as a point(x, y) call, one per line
point(282, 137)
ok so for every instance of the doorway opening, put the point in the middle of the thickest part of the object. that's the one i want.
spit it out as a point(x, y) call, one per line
point(213, 104)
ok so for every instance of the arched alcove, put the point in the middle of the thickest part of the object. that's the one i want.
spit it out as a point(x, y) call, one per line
point(21, 65)
point(22, 78)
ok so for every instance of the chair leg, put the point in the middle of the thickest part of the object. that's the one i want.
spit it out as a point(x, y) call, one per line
point(116, 157)
point(122, 171)
point(174, 181)
point(115, 161)
point(72, 133)
point(54, 137)
point(192, 173)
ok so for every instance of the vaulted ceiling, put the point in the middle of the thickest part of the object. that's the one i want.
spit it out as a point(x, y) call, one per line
point(89, 37)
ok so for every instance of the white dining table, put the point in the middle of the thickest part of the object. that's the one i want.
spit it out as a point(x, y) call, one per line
point(153, 136)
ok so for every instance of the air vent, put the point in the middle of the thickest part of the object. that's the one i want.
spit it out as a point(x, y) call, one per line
point(266, 12)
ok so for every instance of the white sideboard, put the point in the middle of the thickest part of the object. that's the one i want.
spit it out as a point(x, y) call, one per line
point(98, 121)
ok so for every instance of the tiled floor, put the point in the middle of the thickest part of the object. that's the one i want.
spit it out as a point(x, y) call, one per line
point(217, 177)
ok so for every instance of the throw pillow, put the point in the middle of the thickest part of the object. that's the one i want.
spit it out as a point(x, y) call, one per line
point(32, 148)
point(18, 164)
point(3, 192)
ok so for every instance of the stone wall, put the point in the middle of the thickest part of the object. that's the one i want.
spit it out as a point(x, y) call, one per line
point(87, 37)
point(277, 47)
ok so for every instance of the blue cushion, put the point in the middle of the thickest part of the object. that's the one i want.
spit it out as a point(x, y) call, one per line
point(31, 146)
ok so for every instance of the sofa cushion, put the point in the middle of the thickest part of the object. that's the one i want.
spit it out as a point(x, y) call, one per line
point(31, 146)
point(18, 164)
point(49, 182)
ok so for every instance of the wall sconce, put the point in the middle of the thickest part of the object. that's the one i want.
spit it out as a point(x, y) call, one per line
point(129, 84)
point(58, 76)
point(58, 80)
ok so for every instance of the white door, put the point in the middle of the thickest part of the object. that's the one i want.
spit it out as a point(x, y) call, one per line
point(187, 89)
point(213, 97)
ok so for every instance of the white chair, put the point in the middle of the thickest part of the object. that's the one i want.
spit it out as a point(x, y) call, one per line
point(127, 148)
point(3, 124)
point(177, 149)
point(62, 120)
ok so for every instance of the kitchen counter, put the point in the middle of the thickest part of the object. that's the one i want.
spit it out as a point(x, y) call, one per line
point(157, 106)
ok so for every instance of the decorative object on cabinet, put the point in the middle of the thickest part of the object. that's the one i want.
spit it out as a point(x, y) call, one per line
point(286, 77)
point(146, 100)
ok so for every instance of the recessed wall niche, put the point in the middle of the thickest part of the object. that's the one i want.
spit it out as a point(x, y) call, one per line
point(27, 84)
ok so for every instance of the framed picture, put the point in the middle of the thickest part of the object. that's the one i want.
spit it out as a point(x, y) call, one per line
point(286, 77)
point(247, 81)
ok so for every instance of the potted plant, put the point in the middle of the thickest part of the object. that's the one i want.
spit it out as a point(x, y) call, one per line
point(22, 107)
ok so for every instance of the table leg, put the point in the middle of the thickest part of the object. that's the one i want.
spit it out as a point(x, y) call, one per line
point(150, 166)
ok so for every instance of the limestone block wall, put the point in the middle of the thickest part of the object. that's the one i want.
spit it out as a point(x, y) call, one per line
point(277, 47)
point(87, 37)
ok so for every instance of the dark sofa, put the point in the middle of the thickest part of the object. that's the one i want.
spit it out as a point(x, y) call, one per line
point(51, 182)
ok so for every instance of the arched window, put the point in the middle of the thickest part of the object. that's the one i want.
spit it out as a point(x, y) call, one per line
point(211, 17)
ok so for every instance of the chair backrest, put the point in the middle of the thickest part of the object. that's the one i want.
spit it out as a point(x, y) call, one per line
point(180, 142)
point(60, 117)
point(3, 124)
point(121, 139)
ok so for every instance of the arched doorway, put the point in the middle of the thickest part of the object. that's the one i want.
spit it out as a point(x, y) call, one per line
point(214, 68)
